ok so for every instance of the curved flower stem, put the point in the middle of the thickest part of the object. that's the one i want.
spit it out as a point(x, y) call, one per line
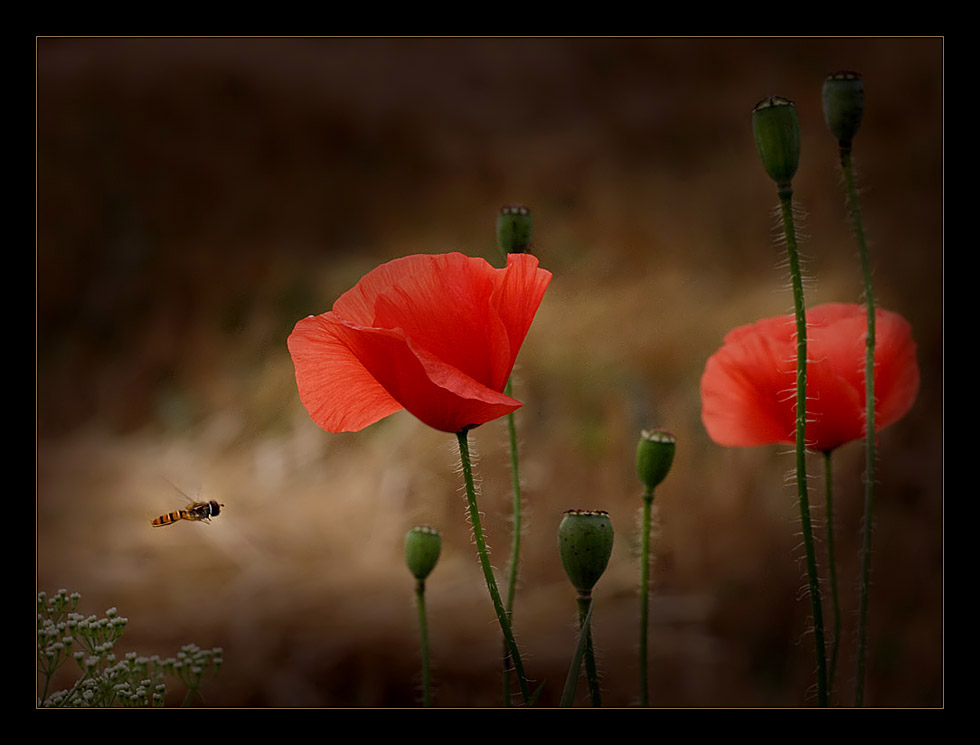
point(832, 562)
point(869, 422)
point(481, 547)
point(571, 680)
point(189, 696)
point(515, 548)
point(424, 642)
point(645, 593)
point(786, 206)
point(585, 627)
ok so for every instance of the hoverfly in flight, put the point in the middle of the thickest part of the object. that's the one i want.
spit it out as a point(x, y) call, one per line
point(194, 511)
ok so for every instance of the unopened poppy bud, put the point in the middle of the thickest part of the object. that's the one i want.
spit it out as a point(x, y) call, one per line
point(776, 127)
point(654, 456)
point(585, 540)
point(843, 105)
point(514, 229)
point(422, 547)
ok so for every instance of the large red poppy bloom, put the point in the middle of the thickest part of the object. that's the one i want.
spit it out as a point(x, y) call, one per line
point(434, 334)
point(748, 390)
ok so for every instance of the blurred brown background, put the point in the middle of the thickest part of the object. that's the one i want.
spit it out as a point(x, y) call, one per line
point(196, 197)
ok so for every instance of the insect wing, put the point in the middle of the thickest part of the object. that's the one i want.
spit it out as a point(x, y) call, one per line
point(198, 511)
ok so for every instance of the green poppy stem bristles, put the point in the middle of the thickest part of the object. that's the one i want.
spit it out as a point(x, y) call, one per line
point(515, 548)
point(776, 127)
point(832, 567)
point(654, 457)
point(843, 100)
point(645, 594)
point(870, 449)
point(585, 628)
point(484, 556)
point(786, 206)
point(514, 226)
point(571, 680)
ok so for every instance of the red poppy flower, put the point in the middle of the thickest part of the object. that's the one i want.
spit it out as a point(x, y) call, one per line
point(748, 390)
point(434, 334)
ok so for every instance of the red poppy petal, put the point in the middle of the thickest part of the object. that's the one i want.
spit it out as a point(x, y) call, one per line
point(746, 386)
point(435, 392)
point(838, 349)
point(835, 375)
point(435, 334)
point(458, 308)
point(896, 369)
point(336, 389)
point(442, 303)
point(357, 305)
point(749, 384)
point(835, 338)
point(834, 408)
point(781, 330)
point(516, 301)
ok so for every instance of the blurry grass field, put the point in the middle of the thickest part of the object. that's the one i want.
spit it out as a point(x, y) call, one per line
point(197, 197)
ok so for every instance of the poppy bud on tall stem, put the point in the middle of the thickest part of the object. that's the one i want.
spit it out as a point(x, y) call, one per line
point(422, 547)
point(843, 101)
point(513, 236)
point(654, 457)
point(776, 127)
point(514, 229)
point(843, 109)
point(585, 541)
point(843, 105)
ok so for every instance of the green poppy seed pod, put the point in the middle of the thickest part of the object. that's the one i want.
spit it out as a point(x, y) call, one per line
point(776, 127)
point(514, 229)
point(654, 456)
point(585, 540)
point(843, 105)
point(422, 547)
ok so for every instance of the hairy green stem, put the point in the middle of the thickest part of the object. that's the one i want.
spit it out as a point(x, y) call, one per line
point(832, 564)
point(424, 643)
point(869, 423)
point(515, 548)
point(571, 680)
point(645, 593)
point(481, 548)
point(786, 206)
point(585, 628)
